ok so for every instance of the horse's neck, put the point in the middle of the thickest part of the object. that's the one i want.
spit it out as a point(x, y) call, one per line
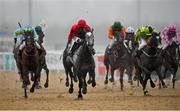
point(83, 53)
point(150, 50)
point(32, 52)
point(171, 50)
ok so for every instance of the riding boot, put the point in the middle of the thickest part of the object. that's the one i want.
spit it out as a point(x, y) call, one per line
point(109, 50)
point(74, 47)
point(138, 53)
point(20, 53)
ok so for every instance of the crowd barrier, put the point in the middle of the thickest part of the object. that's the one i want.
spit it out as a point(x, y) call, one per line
point(54, 62)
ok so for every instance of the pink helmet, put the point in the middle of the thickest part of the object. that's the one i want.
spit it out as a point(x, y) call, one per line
point(171, 28)
point(82, 23)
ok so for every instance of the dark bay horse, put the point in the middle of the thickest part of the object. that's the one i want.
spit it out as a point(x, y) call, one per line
point(120, 59)
point(43, 65)
point(170, 61)
point(29, 62)
point(83, 63)
point(150, 60)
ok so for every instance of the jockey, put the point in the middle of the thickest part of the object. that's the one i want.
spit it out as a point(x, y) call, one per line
point(170, 34)
point(142, 35)
point(115, 27)
point(129, 37)
point(41, 35)
point(22, 33)
point(78, 32)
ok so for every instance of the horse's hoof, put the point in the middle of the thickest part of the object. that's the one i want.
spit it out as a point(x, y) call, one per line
point(67, 84)
point(93, 84)
point(32, 78)
point(106, 82)
point(89, 81)
point(46, 85)
point(71, 90)
point(153, 85)
point(32, 90)
point(75, 79)
point(145, 93)
point(38, 86)
point(121, 88)
point(84, 91)
point(164, 86)
point(80, 97)
point(135, 78)
point(25, 97)
point(28, 82)
point(111, 80)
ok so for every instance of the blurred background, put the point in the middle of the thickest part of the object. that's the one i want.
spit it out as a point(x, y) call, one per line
point(60, 15)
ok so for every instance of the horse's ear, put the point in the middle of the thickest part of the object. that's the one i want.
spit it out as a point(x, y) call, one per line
point(92, 30)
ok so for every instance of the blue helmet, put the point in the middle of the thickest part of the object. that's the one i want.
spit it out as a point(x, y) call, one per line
point(28, 29)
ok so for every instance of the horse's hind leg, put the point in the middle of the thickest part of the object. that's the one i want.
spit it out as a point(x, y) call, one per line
point(106, 78)
point(47, 76)
point(67, 78)
point(174, 75)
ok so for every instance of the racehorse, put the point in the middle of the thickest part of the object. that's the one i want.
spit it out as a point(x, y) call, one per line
point(170, 61)
point(120, 58)
point(83, 63)
point(150, 60)
point(29, 60)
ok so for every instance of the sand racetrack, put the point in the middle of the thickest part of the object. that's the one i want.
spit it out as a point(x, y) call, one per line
point(98, 98)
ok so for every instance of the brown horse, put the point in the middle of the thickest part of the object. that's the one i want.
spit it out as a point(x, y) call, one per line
point(120, 59)
point(29, 61)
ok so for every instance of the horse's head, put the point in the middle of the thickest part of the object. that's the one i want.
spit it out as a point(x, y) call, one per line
point(89, 41)
point(118, 36)
point(153, 41)
point(29, 42)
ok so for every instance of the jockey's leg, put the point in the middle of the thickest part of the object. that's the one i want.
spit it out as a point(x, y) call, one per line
point(110, 46)
point(37, 45)
point(22, 45)
point(74, 47)
point(142, 43)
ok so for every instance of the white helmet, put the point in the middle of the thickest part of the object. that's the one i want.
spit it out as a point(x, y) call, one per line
point(130, 30)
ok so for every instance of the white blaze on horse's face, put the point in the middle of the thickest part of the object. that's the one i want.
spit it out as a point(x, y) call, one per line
point(89, 39)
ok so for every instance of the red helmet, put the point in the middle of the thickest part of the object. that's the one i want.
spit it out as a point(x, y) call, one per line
point(81, 23)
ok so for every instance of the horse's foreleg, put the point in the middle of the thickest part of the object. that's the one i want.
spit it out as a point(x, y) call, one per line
point(106, 78)
point(84, 88)
point(71, 89)
point(147, 76)
point(161, 78)
point(36, 76)
point(121, 78)
point(93, 75)
point(112, 76)
point(129, 72)
point(90, 79)
point(80, 87)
